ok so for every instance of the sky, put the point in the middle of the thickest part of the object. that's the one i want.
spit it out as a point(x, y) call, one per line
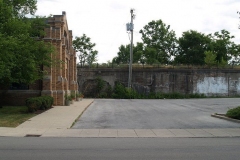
point(104, 21)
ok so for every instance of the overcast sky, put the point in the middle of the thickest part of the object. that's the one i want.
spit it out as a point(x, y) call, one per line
point(104, 21)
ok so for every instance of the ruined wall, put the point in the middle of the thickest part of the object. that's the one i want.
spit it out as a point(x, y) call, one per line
point(203, 81)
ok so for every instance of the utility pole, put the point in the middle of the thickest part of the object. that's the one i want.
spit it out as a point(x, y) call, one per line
point(130, 28)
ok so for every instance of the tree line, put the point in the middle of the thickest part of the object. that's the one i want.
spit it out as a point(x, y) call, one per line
point(160, 45)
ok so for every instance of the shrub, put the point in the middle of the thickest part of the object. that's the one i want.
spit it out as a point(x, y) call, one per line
point(39, 103)
point(119, 91)
point(72, 96)
point(47, 102)
point(33, 104)
point(68, 97)
point(234, 113)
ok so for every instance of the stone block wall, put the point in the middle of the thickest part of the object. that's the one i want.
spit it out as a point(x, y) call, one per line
point(211, 82)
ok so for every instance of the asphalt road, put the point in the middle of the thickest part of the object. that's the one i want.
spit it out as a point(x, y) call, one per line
point(119, 148)
point(157, 114)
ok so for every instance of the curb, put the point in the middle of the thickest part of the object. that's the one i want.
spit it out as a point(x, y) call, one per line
point(73, 123)
point(223, 116)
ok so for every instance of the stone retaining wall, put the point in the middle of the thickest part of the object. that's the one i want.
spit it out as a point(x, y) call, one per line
point(211, 82)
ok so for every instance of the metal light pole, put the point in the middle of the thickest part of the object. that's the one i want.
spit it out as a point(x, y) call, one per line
point(130, 28)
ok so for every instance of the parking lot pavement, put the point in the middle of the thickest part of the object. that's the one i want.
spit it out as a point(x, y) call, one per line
point(157, 114)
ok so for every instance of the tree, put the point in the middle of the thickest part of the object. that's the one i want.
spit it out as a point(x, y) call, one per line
point(234, 51)
point(84, 46)
point(192, 46)
point(20, 8)
point(92, 57)
point(210, 58)
point(22, 55)
point(123, 54)
point(221, 44)
point(160, 41)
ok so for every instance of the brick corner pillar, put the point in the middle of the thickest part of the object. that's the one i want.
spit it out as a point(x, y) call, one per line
point(47, 86)
point(61, 97)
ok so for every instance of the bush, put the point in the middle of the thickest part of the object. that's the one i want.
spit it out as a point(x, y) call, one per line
point(234, 113)
point(39, 103)
point(33, 104)
point(124, 93)
point(120, 91)
point(47, 102)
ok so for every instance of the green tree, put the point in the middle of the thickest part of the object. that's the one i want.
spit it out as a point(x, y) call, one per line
point(20, 8)
point(84, 47)
point(22, 54)
point(210, 58)
point(138, 52)
point(92, 57)
point(192, 46)
point(160, 41)
point(123, 54)
point(222, 44)
point(234, 51)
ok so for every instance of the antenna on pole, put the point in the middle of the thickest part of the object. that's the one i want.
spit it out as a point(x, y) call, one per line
point(130, 28)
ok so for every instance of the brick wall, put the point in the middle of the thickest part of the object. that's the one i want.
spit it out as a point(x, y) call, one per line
point(62, 80)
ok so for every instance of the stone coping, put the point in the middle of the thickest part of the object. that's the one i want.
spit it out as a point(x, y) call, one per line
point(223, 116)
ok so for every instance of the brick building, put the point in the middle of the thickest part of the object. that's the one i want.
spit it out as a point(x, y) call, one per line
point(61, 79)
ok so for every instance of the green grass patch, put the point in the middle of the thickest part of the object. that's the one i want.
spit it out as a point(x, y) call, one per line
point(12, 116)
point(234, 113)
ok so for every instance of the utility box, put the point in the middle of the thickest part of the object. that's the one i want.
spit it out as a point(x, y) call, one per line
point(130, 26)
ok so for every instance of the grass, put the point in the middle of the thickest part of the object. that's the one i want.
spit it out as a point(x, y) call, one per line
point(12, 116)
point(234, 113)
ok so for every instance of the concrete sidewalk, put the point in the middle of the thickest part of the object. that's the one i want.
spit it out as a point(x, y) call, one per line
point(57, 121)
point(53, 121)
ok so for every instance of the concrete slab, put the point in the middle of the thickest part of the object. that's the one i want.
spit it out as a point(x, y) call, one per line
point(37, 131)
point(181, 133)
point(235, 132)
point(163, 133)
point(18, 132)
point(108, 133)
point(71, 133)
point(199, 133)
point(144, 133)
point(127, 133)
point(218, 132)
point(89, 133)
point(4, 131)
point(53, 133)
